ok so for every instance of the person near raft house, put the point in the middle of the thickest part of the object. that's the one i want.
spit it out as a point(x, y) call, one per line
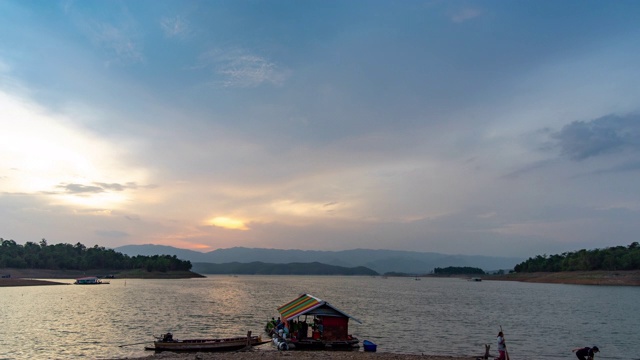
point(586, 352)
point(502, 347)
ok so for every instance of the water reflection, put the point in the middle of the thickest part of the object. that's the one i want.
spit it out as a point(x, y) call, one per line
point(432, 316)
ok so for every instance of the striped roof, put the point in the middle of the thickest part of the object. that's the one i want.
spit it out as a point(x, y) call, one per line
point(304, 303)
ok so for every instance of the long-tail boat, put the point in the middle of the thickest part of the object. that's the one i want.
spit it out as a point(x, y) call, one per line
point(167, 342)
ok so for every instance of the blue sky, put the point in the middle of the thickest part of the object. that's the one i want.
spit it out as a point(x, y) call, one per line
point(507, 128)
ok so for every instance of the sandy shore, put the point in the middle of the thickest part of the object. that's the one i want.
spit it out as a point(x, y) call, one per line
point(30, 277)
point(597, 277)
point(28, 282)
point(34, 277)
point(257, 354)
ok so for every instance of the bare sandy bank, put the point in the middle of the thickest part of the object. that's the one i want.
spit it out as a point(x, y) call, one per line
point(27, 282)
point(615, 278)
point(33, 277)
point(30, 277)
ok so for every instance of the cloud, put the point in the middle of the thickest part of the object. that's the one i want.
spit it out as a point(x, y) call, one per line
point(529, 168)
point(228, 223)
point(47, 154)
point(626, 167)
point(81, 189)
point(119, 37)
point(96, 188)
point(175, 27)
point(240, 69)
point(120, 42)
point(581, 140)
point(465, 14)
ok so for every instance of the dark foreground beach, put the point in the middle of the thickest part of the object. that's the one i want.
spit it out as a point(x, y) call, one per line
point(256, 354)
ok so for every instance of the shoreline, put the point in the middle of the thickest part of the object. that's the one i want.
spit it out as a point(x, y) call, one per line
point(595, 277)
point(42, 277)
point(28, 282)
point(261, 354)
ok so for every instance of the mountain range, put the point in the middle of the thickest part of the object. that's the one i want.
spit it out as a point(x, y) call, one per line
point(382, 261)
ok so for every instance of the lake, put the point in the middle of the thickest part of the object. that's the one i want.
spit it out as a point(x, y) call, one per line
point(402, 315)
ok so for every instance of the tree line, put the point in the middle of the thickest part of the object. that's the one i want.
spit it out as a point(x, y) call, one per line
point(458, 270)
point(79, 257)
point(612, 258)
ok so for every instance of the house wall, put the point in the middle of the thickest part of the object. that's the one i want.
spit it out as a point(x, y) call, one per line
point(335, 328)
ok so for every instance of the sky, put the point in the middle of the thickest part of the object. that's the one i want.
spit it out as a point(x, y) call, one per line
point(503, 128)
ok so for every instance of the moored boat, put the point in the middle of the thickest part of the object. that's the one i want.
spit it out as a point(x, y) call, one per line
point(90, 280)
point(167, 343)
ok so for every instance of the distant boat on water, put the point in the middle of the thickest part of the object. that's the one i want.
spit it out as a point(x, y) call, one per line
point(475, 279)
point(90, 280)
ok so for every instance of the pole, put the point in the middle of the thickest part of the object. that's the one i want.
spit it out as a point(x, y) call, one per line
point(505, 345)
point(249, 339)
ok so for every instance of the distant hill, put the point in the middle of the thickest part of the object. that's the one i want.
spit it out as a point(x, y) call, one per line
point(381, 261)
point(260, 268)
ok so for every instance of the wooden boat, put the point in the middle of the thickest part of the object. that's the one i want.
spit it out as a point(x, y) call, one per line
point(168, 343)
point(91, 280)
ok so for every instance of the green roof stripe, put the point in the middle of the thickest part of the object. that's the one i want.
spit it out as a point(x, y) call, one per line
point(299, 306)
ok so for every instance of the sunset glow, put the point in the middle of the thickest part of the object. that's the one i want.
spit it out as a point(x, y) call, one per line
point(228, 223)
point(452, 127)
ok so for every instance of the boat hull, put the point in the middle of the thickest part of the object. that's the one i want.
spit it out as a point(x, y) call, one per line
point(312, 344)
point(196, 345)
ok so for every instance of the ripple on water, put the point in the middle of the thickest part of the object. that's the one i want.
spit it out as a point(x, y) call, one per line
point(432, 316)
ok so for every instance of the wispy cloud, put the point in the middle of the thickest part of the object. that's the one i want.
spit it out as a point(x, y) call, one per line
point(175, 27)
point(81, 189)
point(96, 188)
point(626, 167)
point(241, 69)
point(584, 139)
point(120, 42)
point(465, 14)
point(529, 168)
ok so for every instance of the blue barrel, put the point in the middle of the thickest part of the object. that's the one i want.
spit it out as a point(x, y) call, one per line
point(369, 346)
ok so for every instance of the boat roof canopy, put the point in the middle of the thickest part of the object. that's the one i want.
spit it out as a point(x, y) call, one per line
point(307, 304)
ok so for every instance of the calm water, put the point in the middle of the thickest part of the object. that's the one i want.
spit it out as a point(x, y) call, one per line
point(402, 315)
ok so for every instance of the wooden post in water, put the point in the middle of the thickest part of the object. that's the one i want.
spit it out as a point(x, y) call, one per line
point(249, 339)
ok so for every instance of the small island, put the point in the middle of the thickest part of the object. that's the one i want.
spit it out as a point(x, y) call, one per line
point(28, 264)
